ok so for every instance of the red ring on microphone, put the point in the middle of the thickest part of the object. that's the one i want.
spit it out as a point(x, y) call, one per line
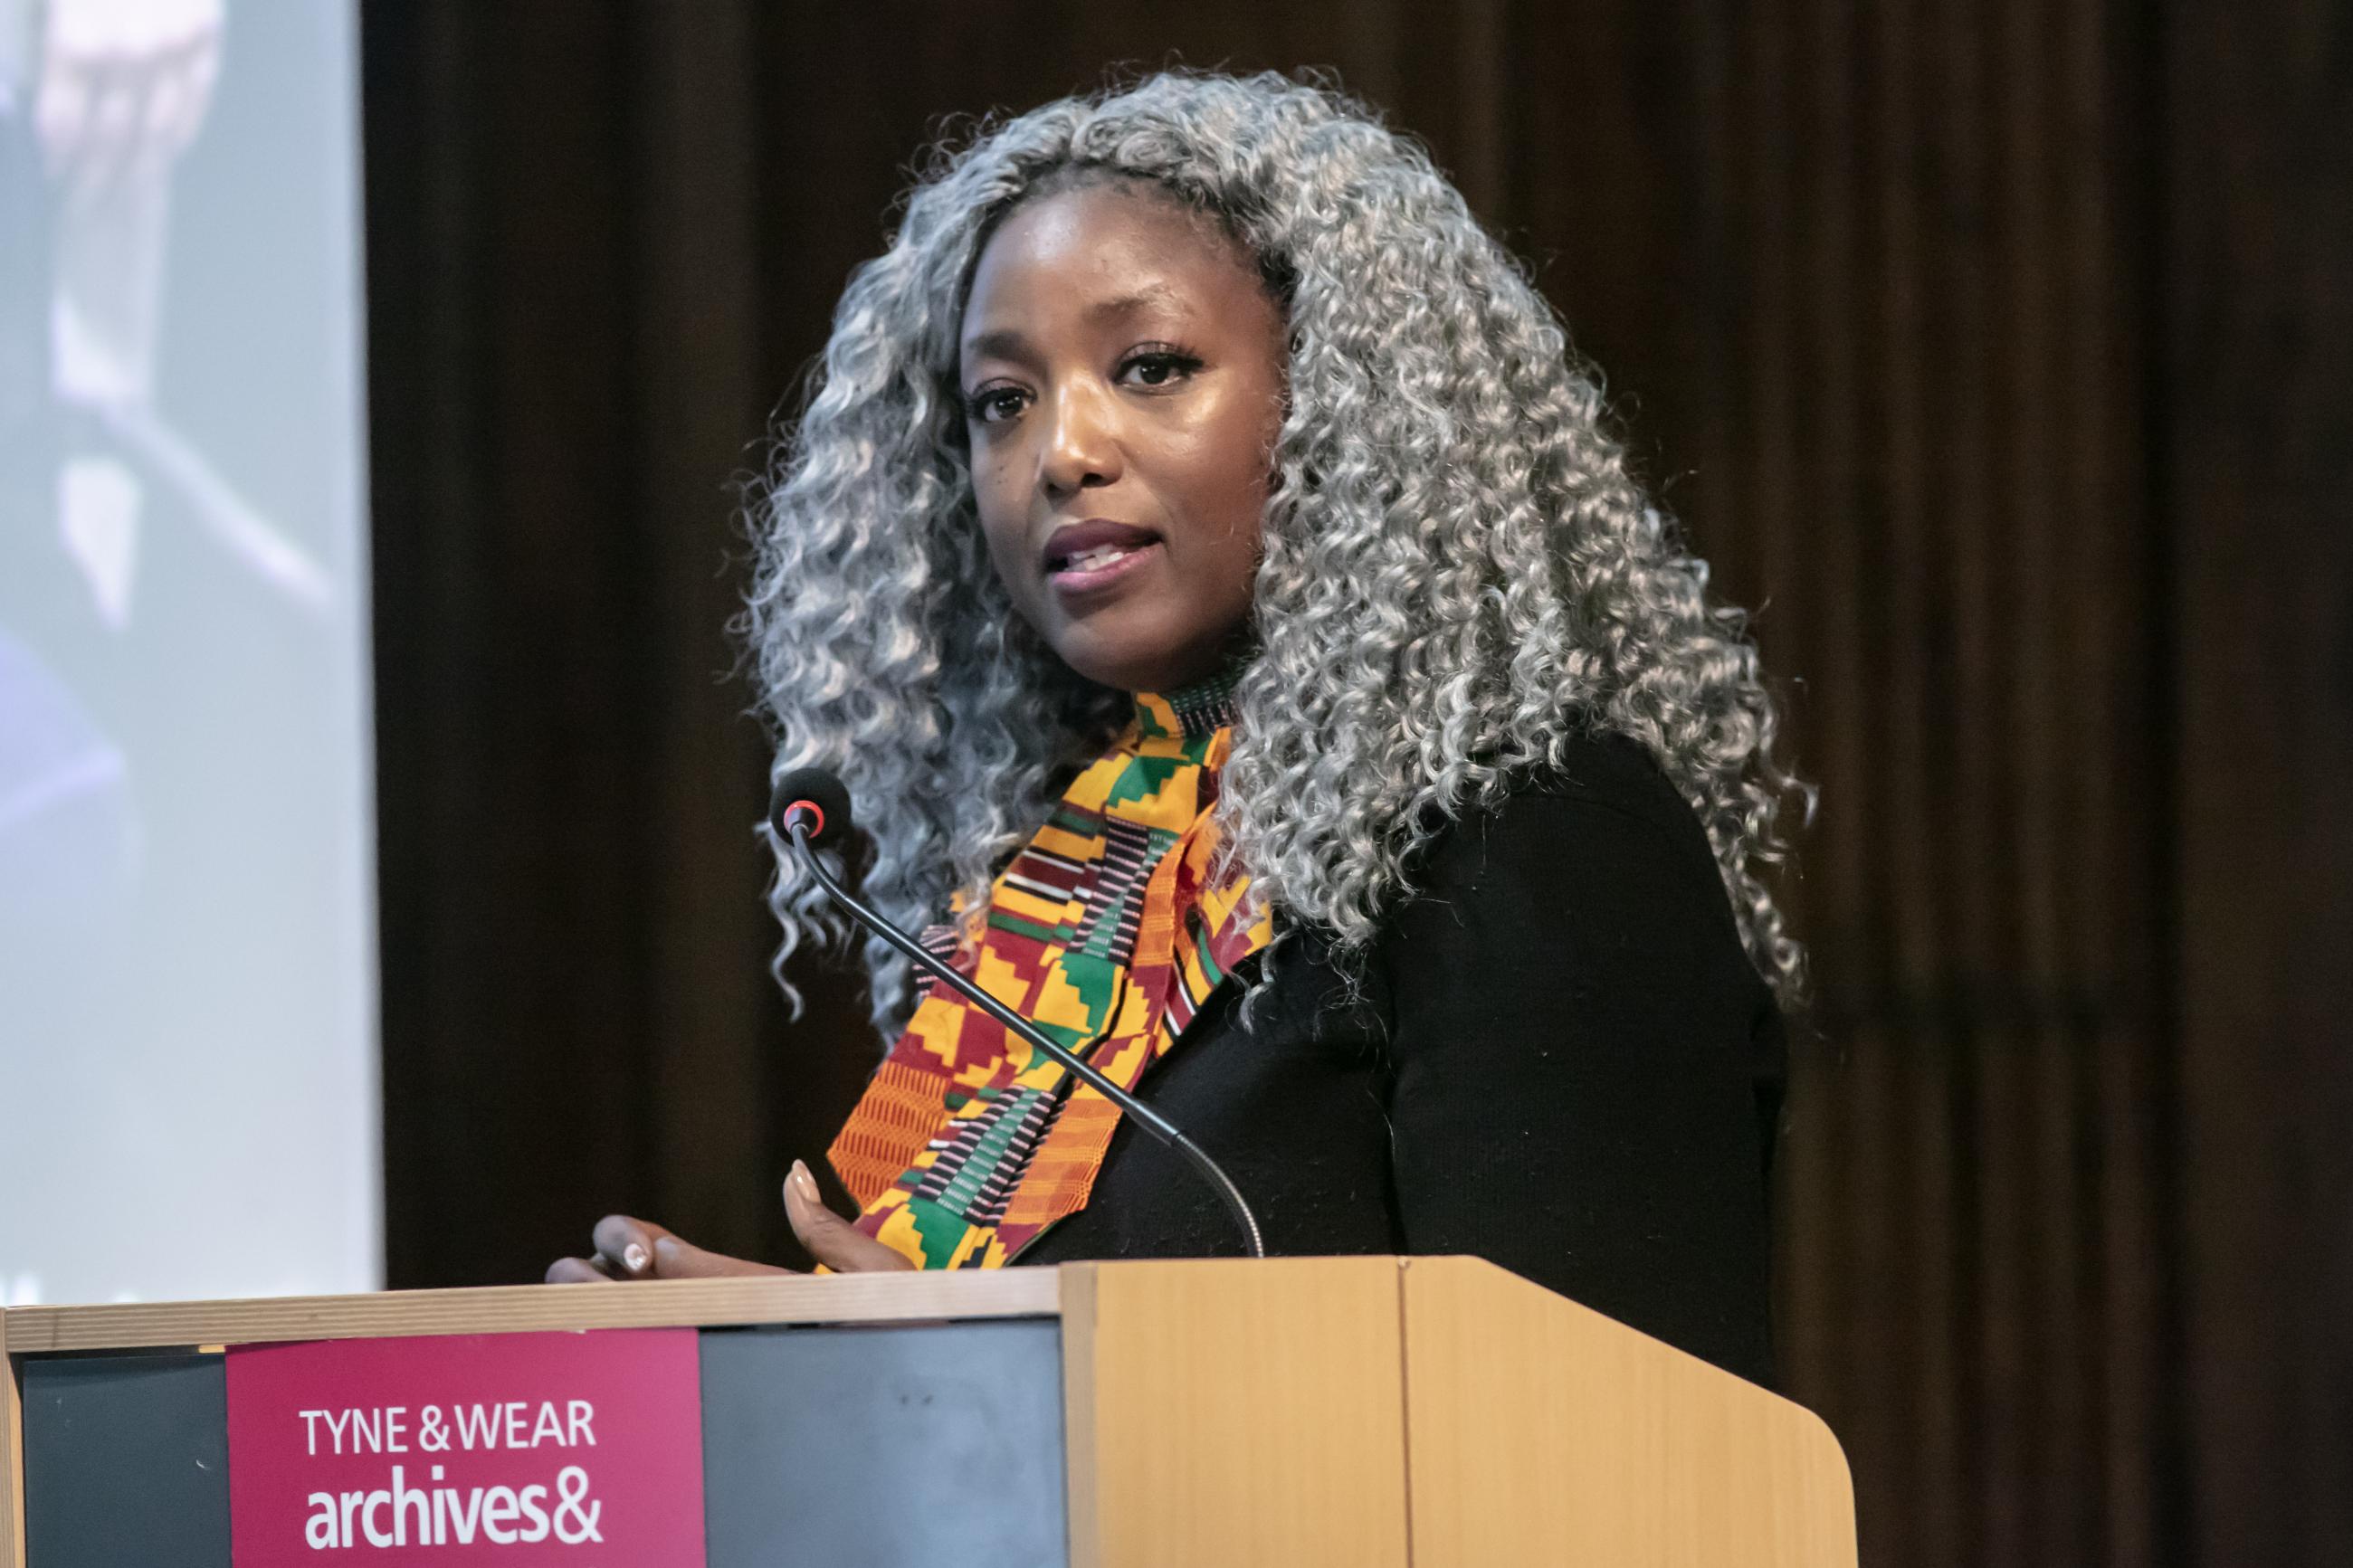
point(815, 810)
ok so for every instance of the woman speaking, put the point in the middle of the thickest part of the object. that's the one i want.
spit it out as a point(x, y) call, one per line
point(1211, 574)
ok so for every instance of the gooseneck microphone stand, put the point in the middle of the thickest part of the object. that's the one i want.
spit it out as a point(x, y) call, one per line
point(800, 816)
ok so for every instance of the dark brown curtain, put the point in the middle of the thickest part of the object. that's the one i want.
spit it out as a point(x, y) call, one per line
point(1997, 352)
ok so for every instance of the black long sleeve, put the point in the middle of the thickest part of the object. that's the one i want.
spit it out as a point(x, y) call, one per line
point(1560, 1059)
point(1575, 1060)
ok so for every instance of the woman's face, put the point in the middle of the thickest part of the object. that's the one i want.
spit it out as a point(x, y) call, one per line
point(1123, 373)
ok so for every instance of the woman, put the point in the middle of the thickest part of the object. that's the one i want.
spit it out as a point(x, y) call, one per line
point(1211, 575)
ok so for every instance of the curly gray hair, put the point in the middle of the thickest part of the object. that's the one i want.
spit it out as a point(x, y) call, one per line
point(1458, 570)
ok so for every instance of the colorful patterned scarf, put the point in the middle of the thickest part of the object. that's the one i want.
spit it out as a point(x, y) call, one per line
point(1107, 933)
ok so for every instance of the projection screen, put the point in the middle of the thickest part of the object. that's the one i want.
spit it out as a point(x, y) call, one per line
point(188, 1083)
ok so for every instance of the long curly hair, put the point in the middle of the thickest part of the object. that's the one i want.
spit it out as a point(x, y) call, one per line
point(1460, 572)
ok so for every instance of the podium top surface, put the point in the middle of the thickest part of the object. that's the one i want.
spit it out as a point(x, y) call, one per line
point(522, 1308)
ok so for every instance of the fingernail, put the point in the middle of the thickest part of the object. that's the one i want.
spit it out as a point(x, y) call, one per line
point(805, 1181)
point(633, 1257)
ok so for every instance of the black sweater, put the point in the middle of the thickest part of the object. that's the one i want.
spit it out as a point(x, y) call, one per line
point(1560, 1059)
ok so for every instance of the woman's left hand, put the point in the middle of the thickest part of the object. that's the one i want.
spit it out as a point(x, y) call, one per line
point(831, 1239)
point(629, 1248)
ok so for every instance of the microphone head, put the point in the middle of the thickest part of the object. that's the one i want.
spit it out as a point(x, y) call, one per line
point(814, 798)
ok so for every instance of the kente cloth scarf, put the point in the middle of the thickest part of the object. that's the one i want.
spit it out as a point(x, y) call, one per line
point(1108, 930)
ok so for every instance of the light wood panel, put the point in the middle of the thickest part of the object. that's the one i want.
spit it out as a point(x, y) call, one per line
point(1544, 1433)
point(1236, 1413)
point(12, 1455)
point(518, 1308)
point(1081, 1436)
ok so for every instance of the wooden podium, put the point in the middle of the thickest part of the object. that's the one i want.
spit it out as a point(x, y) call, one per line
point(1356, 1411)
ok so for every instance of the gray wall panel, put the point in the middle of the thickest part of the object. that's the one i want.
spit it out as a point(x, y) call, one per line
point(126, 1461)
point(872, 1447)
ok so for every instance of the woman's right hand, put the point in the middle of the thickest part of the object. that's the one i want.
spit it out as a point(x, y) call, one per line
point(630, 1248)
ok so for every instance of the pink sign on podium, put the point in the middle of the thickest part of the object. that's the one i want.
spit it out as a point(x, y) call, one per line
point(514, 1449)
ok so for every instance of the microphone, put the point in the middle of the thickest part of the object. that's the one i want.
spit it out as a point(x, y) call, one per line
point(809, 808)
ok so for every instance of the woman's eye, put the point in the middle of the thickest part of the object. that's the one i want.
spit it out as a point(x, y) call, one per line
point(994, 404)
point(1159, 367)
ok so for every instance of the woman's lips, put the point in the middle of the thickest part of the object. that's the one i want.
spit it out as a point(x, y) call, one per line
point(1099, 567)
point(1081, 557)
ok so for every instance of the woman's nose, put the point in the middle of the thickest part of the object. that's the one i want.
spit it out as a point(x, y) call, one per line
point(1081, 441)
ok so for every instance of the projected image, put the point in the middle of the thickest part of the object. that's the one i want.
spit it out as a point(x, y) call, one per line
point(105, 97)
point(186, 989)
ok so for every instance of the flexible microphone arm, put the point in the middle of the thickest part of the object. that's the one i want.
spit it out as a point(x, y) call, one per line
point(801, 818)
